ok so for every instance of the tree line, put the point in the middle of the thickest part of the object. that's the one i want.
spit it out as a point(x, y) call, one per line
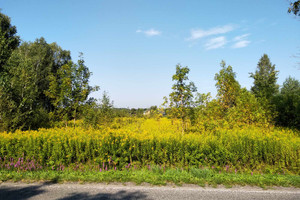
point(39, 82)
point(265, 104)
point(41, 86)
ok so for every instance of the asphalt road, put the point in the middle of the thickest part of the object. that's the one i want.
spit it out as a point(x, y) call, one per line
point(68, 191)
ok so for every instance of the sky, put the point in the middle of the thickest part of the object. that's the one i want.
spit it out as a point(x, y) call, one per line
point(132, 47)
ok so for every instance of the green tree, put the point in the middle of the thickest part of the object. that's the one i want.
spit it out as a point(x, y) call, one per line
point(287, 104)
point(81, 88)
point(24, 104)
point(247, 110)
point(60, 93)
point(227, 87)
point(102, 113)
point(9, 41)
point(265, 78)
point(181, 98)
point(265, 86)
point(39, 81)
point(69, 89)
point(106, 109)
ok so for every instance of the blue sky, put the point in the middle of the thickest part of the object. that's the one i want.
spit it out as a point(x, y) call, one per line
point(133, 46)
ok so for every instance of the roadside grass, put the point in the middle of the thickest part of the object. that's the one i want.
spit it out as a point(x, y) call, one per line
point(155, 176)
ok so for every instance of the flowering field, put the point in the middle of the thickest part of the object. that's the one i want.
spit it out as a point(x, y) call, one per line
point(143, 142)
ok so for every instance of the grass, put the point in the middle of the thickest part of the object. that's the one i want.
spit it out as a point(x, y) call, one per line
point(155, 176)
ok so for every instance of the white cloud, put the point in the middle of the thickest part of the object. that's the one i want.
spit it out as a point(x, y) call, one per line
point(241, 44)
point(199, 33)
point(215, 43)
point(241, 41)
point(150, 32)
point(241, 37)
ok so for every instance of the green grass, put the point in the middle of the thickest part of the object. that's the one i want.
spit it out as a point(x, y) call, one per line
point(156, 176)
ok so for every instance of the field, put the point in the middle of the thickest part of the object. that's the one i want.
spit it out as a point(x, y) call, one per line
point(141, 144)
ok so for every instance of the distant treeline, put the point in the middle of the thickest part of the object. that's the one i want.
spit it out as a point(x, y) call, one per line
point(41, 86)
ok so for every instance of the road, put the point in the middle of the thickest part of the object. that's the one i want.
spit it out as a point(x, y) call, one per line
point(68, 191)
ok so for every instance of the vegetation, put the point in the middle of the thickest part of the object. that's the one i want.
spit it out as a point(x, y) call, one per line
point(288, 104)
point(152, 141)
point(51, 128)
point(181, 98)
point(156, 175)
point(294, 8)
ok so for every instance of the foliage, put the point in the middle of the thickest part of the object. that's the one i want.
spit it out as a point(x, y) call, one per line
point(24, 104)
point(208, 113)
point(69, 89)
point(41, 83)
point(287, 104)
point(227, 87)
point(181, 98)
point(9, 41)
point(265, 78)
point(294, 8)
point(147, 141)
point(122, 112)
point(96, 114)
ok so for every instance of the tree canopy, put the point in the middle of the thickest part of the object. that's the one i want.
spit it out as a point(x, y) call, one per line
point(39, 82)
point(265, 78)
point(181, 97)
point(228, 88)
point(9, 40)
point(288, 104)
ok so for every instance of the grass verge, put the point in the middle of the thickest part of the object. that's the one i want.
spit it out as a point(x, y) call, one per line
point(154, 176)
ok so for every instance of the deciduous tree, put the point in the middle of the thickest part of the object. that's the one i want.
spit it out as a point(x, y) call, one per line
point(9, 41)
point(181, 98)
point(227, 87)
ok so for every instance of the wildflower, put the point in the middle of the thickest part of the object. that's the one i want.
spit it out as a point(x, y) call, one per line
point(227, 168)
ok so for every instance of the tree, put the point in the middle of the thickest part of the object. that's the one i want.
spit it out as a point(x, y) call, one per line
point(247, 110)
point(106, 109)
point(24, 104)
point(102, 113)
point(40, 82)
point(294, 8)
point(227, 87)
point(287, 104)
point(69, 89)
point(9, 41)
point(265, 78)
point(81, 88)
point(181, 99)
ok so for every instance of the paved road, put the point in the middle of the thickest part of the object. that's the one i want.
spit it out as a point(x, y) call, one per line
point(68, 191)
